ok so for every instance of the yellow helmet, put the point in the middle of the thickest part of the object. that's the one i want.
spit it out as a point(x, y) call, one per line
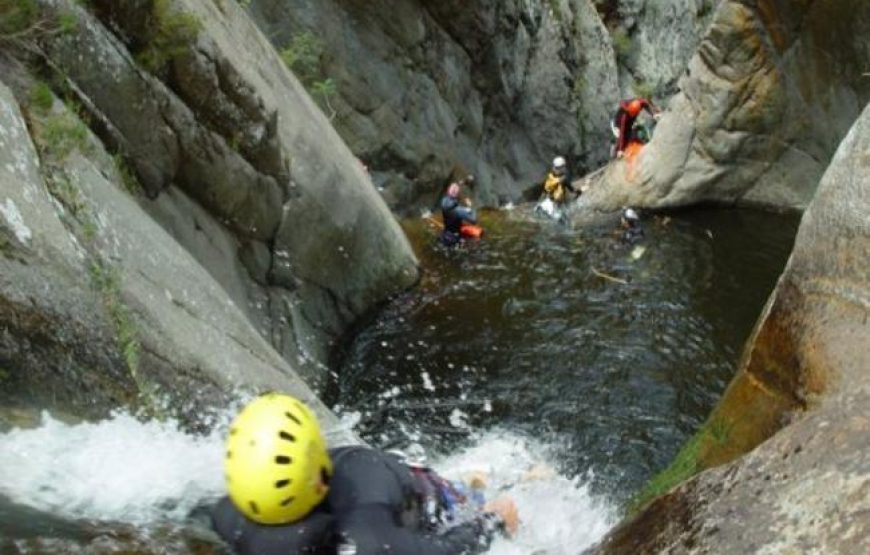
point(277, 468)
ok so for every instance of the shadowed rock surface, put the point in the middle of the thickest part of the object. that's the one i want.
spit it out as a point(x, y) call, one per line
point(426, 92)
point(213, 233)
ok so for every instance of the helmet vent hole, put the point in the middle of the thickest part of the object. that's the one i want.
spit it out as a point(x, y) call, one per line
point(286, 436)
point(293, 417)
point(254, 508)
point(229, 454)
point(282, 483)
point(287, 501)
point(283, 459)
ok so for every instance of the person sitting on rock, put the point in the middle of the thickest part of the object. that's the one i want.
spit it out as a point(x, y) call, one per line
point(624, 119)
point(454, 215)
point(288, 494)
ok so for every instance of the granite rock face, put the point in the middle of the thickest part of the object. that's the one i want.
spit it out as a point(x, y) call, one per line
point(189, 226)
point(426, 92)
point(797, 407)
point(239, 164)
point(764, 103)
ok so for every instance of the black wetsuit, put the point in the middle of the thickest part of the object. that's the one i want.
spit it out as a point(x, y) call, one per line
point(453, 215)
point(373, 507)
point(632, 234)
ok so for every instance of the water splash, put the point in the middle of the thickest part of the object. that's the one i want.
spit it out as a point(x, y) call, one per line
point(145, 473)
point(558, 515)
point(120, 469)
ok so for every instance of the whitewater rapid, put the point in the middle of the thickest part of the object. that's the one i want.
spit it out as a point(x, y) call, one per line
point(144, 473)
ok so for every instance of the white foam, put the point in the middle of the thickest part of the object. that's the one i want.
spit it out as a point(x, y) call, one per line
point(119, 469)
point(122, 469)
point(558, 515)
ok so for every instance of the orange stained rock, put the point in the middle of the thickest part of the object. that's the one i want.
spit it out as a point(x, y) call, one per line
point(631, 153)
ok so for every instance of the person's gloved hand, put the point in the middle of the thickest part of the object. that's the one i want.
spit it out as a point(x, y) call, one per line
point(657, 116)
point(506, 509)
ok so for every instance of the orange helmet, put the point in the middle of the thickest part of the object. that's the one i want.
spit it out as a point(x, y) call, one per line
point(634, 107)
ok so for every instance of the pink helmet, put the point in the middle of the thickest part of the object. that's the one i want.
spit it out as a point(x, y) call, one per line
point(453, 190)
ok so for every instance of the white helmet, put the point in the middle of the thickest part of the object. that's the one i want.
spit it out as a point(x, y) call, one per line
point(558, 164)
point(630, 215)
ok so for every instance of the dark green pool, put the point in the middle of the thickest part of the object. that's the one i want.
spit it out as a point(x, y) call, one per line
point(612, 356)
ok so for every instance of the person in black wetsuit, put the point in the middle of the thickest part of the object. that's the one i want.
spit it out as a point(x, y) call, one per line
point(631, 230)
point(454, 214)
point(288, 494)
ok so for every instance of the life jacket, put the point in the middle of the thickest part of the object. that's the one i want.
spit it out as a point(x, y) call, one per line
point(554, 187)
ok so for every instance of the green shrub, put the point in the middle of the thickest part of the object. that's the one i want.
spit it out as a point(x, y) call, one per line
point(171, 33)
point(67, 22)
point(41, 97)
point(62, 133)
point(128, 178)
point(644, 89)
point(302, 56)
point(17, 16)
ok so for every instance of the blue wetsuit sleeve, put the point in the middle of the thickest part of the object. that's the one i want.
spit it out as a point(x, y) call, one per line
point(373, 531)
point(466, 213)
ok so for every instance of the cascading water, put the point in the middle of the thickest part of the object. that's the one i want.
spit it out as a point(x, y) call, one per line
point(564, 366)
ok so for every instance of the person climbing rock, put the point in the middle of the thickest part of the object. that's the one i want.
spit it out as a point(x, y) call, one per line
point(289, 494)
point(631, 230)
point(623, 121)
point(454, 214)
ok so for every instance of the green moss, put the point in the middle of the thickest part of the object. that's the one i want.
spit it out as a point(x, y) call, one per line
point(622, 44)
point(22, 21)
point(688, 462)
point(61, 133)
point(41, 97)
point(89, 230)
point(170, 32)
point(684, 465)
point(67, 194)
point(128, 178)
point(302, 57)
point(644, 89)
point(17, 16)
point(107, 280)
point(67, 22)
